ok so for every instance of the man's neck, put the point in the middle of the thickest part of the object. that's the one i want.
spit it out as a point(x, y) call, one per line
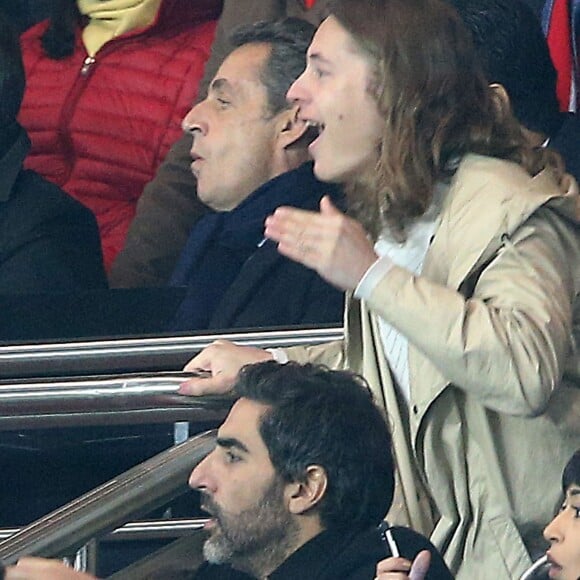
point(267, 560)
point(262, 563)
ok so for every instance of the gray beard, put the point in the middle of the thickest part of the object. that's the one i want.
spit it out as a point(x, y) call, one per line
point(258, 563)
point(258, 540)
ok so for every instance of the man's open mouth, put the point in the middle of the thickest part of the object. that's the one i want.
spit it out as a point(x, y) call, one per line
point(212, 522)
point(313, 130)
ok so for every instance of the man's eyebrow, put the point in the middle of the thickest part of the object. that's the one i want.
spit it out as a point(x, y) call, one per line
point(220, 85)
point(231, 442)
point(575, 491)
point(317, 57)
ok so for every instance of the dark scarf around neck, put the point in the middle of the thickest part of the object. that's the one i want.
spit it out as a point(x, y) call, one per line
point(220, 243)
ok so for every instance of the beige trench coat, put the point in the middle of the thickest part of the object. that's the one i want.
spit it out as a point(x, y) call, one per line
point(490, 322)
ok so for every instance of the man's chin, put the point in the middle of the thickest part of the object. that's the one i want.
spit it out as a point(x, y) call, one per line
point(211, 198)
point(325, 173)
point(216, 549)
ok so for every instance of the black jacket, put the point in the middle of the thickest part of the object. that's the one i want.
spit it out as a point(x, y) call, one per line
point(48, 241)
point(236, 279)
point(341, 556)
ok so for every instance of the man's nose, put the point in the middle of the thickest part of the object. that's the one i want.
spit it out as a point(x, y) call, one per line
point(200, 476)
point(296, 93)
point(192, 122)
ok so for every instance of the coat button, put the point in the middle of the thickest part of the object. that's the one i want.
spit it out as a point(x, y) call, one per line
point(415, 409)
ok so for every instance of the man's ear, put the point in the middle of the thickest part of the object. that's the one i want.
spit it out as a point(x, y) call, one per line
point(501, 99)
point(291, 128)
point(302, 496)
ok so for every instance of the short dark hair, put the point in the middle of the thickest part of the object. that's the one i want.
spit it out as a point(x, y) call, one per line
point(12, 78)
point(571, 474)
point(289, 39)
point(513, 52)
point(324, 417)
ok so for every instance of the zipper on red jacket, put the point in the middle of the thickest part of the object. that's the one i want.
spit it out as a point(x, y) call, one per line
point(87, 64)
point(69, 108)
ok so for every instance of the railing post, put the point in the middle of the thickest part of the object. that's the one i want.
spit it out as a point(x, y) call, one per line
point(85, 559)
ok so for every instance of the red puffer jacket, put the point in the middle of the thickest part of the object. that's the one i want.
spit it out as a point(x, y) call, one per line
point(100, 128)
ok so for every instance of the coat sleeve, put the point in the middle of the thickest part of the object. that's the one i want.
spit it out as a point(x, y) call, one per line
point(331, 354)
point(169, 206)
point(508, 343)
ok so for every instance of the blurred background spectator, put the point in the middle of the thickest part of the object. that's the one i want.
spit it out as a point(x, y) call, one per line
point(561, 24)
point(515, 57)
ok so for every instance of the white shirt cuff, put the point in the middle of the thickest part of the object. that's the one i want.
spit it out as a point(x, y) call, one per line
point(372, 277)
point(279, 355)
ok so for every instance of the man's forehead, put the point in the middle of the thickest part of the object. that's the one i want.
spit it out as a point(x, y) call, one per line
point(331, 42)
point(242, 424)
point(241, 70)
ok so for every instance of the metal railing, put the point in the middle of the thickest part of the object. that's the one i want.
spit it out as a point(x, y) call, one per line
point(138, 491)
point(168, 531)
point(137, 386)
point(138, 354)
point(115, 400)
point(54, 385)
point(141, 530)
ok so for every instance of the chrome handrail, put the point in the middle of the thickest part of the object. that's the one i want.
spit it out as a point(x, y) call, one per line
point(65, 388)
point(139, 354)
point(104, 400)
point(157, 529)
point(143, 529)
point(137, 491)
point(196, 342)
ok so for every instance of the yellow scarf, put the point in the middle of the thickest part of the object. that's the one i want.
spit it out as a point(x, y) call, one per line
point(111, 18)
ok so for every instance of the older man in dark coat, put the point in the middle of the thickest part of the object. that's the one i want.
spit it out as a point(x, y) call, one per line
point(169, 206)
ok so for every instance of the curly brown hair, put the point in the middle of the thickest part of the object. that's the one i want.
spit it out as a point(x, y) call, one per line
point(436, 104)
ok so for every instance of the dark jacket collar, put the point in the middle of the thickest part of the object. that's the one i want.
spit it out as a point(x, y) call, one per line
point(312, 561)
point(353, 555)
point(316, 558)
point(11, 164)
point(342, 555)
point(312, 557)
